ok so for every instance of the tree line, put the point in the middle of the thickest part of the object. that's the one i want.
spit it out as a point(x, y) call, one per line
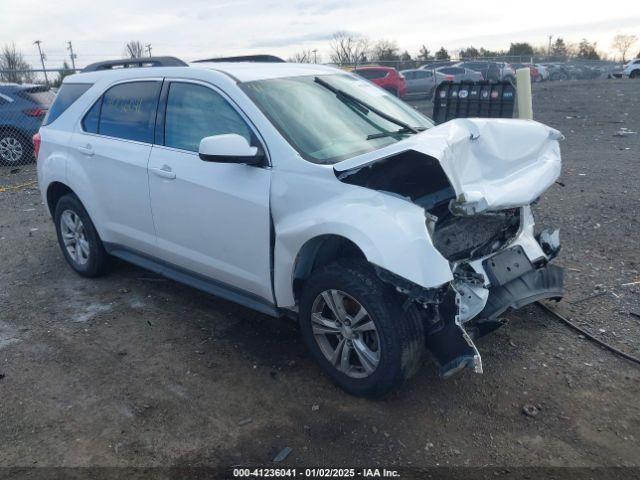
point(348, 49)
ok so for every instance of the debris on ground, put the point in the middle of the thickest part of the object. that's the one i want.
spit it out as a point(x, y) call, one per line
point(284, 453)
point(245, 421)
point(531, 410)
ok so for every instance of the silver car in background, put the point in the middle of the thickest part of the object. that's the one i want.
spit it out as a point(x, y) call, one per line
point(420, 82)
point(458, 74)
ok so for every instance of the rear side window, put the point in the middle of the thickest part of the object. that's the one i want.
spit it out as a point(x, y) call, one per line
point(372, 74)
point(68, 93)
point(128, 111)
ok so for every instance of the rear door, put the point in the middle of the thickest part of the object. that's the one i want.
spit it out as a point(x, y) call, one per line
point(110, 152)
point(211, 218)
point(424, 82)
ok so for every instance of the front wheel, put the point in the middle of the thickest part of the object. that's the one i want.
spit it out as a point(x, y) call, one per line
point(356, 328)
point(635, 74)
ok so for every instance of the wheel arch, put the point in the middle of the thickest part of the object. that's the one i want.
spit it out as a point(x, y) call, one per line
point(319, 251)
point(55, 191)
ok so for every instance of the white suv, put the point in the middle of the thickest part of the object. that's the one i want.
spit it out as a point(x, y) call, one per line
point(631, 69)
point(304, 190)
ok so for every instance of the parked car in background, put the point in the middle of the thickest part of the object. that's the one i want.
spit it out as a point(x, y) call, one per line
point(506, 71)
point(632, 69)
point(420, 82)
point(438, 64)
point(489, 70)
point(22, 108)
point(458, 74)
point(385, 77)
point(558, 71)
point(536, 76)
point(543, 71)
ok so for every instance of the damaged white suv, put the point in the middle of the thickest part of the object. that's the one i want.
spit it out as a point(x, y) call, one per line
point(303, 190)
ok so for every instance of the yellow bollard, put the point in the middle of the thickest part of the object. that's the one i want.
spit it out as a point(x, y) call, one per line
point(523, 85)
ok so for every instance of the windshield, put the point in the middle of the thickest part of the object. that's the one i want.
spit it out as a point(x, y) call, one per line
point(326, 127)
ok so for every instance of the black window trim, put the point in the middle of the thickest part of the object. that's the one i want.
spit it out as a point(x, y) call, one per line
point(161, 114)
point(100, 99)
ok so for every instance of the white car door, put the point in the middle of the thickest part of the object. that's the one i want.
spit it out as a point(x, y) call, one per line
point(109, 155)
point(211, 218)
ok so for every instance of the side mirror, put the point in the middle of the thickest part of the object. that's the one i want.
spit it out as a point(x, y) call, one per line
point(229, 148)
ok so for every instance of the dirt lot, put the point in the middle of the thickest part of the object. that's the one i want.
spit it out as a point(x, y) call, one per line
point(132, 369)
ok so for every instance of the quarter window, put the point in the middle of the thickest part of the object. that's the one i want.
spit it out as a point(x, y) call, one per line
point(195, 112)
point(128, 112)
point(68, 93)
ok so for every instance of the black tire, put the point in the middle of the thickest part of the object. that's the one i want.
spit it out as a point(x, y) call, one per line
point(635, 74)
point(400, 330)
point(97, 259)
point(9, 139)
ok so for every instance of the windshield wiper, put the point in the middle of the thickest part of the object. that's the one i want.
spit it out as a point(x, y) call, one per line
point(342, 95)
point(401, 131)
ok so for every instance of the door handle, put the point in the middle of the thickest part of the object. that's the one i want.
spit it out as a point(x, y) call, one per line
point(164, 172)
point(86, 150)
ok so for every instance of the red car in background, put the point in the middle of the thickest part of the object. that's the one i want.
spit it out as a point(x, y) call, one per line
point(386, 77)
point(536, 76)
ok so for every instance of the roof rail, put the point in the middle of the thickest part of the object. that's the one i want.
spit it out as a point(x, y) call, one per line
point(244, 58)
point(135, 63)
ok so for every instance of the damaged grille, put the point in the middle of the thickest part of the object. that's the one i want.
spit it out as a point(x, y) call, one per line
point(467, 238)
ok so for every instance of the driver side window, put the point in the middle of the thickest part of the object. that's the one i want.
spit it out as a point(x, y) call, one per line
point(194, 112)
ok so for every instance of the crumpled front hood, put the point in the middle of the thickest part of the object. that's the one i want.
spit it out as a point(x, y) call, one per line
point(492, 164)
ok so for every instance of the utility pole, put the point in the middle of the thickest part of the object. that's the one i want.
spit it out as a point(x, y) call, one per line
point(72, 55)
point(149, 49)
point(315, 55)
point(42, 58)
point(549, 49)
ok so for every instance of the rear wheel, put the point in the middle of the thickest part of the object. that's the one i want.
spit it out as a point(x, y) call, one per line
point(78, 238)
point(393, 91)
point(14, 148)
point(635, 74)
point(356, 328)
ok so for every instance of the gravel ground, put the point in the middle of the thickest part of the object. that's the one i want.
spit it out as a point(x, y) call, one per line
point(135, 370)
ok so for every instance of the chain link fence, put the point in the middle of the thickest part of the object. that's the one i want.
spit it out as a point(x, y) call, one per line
point(25, 98)
point(556, 69)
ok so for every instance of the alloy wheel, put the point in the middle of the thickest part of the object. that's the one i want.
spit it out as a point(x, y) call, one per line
point(74, 237)
point(345, 333)
point(11, 150)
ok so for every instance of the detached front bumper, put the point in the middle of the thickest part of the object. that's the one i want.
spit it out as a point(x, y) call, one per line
point(510, 279)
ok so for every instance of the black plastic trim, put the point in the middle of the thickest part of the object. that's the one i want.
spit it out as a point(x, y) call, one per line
point(545, 282)
point(193, 279)
point(135, 63)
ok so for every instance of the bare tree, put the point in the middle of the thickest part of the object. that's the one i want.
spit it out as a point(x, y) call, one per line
point(385, 51)
point(348, 48)
point(13, 66)
point(622, 43)
point(306, 56)
point(134, 49)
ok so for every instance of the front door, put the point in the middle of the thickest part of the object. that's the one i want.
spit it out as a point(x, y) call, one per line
point(210, 218)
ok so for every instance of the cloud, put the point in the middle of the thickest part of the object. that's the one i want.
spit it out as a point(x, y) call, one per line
point(193, 29)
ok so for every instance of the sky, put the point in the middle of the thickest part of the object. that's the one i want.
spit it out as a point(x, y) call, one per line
point(194, 29)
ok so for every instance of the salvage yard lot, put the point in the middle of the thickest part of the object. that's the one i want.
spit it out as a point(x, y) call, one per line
point(133, 369)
